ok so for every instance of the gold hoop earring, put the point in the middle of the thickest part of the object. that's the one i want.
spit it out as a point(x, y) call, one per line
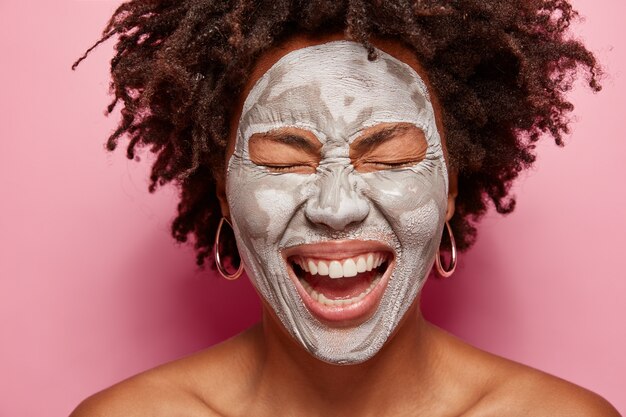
point(442, 272)
point(218, 258)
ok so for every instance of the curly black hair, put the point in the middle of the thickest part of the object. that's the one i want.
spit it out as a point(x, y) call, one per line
point(500, 71)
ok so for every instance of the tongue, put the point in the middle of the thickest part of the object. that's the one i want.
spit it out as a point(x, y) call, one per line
point(340, 288)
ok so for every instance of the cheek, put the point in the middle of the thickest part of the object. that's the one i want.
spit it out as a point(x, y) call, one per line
point(280, 206)
point(421, 225)
point(262, 204)
point(412, 202)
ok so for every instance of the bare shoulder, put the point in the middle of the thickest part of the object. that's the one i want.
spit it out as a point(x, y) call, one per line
point(519, 390)
point(524, 391)
point(501, 387)
point(143, 395)
point(186, 387)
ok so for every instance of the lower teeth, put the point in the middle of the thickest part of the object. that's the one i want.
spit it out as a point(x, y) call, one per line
point(322, 299)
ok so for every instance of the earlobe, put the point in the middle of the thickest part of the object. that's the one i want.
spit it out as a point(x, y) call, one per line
point(220, 185)
point(453, 191)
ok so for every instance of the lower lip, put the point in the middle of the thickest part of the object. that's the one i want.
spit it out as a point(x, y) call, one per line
point(345, 315)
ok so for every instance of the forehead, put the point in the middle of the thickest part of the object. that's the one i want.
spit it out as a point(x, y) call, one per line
point(333, 86)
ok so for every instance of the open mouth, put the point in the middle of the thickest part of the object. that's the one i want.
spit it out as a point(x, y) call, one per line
point(341, 288)
point(340, 282)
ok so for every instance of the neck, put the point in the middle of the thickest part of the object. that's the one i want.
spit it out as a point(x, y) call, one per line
point(408, 360)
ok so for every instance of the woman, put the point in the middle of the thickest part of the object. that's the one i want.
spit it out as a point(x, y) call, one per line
point(341, 141)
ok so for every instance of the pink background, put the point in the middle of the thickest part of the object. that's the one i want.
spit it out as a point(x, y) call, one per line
point(93, 289)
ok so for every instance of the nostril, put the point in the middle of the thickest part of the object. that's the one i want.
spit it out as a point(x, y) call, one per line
point(337, 202)
point(339, 216)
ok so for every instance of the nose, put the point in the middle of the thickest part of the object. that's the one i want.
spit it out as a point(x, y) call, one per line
point(337, 202)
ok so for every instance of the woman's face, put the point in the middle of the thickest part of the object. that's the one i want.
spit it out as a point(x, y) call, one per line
point(337, 189)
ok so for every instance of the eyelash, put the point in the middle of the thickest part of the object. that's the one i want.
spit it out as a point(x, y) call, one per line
point(284, 168)
point(393, 164)
point(383, 165)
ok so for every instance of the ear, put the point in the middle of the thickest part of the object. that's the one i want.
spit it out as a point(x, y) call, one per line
point(453, 191)
point(220, 189)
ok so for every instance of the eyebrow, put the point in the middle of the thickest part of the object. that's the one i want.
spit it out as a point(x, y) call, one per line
point(290, 139)
point(379, 137)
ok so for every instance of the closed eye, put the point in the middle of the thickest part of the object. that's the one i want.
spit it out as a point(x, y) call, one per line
point(388, 146)
point(392, 164)
point(286, 150)
point(297, 169)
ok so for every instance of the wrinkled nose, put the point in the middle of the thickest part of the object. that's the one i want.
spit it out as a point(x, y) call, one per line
point(337, 203)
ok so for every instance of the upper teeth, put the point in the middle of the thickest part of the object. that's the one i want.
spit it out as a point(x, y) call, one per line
point(348, 267)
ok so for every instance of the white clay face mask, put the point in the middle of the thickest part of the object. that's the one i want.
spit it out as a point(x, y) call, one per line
point(339, 254)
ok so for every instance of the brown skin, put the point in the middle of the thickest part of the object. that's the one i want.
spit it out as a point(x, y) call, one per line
point(294, 150)
point(421, 370)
